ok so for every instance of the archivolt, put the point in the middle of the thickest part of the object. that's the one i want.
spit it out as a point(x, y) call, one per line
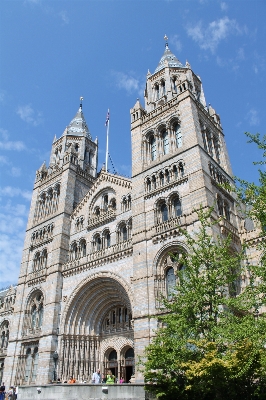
point(166, 249)
point(92, 299)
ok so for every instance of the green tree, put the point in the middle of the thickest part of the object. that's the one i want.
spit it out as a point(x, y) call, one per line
point(212, 342)
point(210, 345)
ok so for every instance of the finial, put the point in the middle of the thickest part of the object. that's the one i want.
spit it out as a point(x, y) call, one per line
point(166, 41)
point(80, 106)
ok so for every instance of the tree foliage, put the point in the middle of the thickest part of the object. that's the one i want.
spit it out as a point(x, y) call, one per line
point(211, 343)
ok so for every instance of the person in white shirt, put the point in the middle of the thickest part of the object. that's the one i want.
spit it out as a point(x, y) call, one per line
point(96, 377)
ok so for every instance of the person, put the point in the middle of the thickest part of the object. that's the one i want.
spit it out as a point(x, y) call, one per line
point(122, 380)
point(16, 392)
point(96, 377)
point(10, 393)
point(103, 378)
point(71, 380)
point(58, 381)
point(2, 391)
point(110, 378)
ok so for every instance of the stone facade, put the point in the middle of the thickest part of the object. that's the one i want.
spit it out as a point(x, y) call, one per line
point(96, 252)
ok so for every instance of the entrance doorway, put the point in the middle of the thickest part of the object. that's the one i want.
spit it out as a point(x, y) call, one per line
point(129, 364)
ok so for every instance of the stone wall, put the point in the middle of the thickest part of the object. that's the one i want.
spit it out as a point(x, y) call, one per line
point(84, 392)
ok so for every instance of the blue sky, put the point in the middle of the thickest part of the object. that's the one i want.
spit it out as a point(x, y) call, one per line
point(53, 52)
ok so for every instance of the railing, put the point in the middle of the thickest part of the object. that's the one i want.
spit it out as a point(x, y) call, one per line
point(170, 224)
point(100, 254)
point(101, 219)
point(226, 225)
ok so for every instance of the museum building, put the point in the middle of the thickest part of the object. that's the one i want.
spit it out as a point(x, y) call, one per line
point(98, 250)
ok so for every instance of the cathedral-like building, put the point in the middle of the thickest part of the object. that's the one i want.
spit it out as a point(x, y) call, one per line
point(97, 251)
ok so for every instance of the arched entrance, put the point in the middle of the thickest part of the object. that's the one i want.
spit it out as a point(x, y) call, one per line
point(97, 326)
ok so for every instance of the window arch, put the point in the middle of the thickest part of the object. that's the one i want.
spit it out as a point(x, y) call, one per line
point(153, 149)
point(170, 282)
point(176, 207)
point(97, 242)
point(164, 212)
point(165, 140)
point(106, 239)
point(83, 246)
point(178, 135)
point(4, 334)
point(73, 251)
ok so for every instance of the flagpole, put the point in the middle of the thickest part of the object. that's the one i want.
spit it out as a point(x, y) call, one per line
point(107, 137)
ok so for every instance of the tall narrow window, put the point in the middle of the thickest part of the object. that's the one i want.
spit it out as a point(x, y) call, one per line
point(154, 182)
point(209, 140)
point(161, 178)
point(108, 240)
point(165, 142)
point(163, 87)
point(220, 205)
point(35, 364)
point(33, 316)
point(40, 316)
point(153, 148)
point(164, 212)
point(105, 202)
point(216, 148)
point(177, 207)
point(98, 243)
point(157, 92)
point(175, 171)
point(28, 366)
point(226, 211)
point(178, 136)
point(124, 233)
point(170, 282)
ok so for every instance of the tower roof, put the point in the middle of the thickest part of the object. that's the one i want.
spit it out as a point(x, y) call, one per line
point(78, 125)
point(170, 58)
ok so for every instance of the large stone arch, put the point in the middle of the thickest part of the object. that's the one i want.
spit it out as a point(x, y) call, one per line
point(90, 301)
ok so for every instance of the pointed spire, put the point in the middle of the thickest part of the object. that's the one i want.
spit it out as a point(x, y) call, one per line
point(54, 139)
point(78, 125)
point(168, 58)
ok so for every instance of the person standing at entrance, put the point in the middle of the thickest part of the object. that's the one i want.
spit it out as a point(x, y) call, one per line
point(110, 378)
point(96, 377)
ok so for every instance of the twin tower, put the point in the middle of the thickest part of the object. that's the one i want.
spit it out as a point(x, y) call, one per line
point(96, 256)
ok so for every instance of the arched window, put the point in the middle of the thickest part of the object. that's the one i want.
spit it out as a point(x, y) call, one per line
point(113, 204)
point(28, 365)
point(154, 182)
point(153, 147)
point(112, 356)
point(124, 233)
point(157, 92)
point(105, 202)
point(97, 211)
point(148, 185)
point(164, 212)
point(108, 240)
point(220, 205)
point(129, 353)
point(165, 142)
point(177, 207)
point(40, 316)
point(97, 242)
point(35, 364)
point(83, 248)
point(226, 211)
point(181, 169)
point(209, 140)
point(161, 178)
point(178, 135)
point(167, 176)
point(44, 259)
point(74, 251)
point(163, 87)
point(33, 316)
point(170, 282)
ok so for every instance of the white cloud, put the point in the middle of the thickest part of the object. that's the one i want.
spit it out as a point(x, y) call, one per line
point(9, 191)
point(127, 82)
point(13, 221)
point(176, 42)
point(28, 115)
point(15, 172)
point(224, 6)
point(6, 144)
point(253, 117)
point(64, 17)
point(4, 160)
point(209, 37)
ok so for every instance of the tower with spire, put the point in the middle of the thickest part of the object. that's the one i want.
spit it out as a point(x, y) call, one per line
point(58, 188)
point(179, 158)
